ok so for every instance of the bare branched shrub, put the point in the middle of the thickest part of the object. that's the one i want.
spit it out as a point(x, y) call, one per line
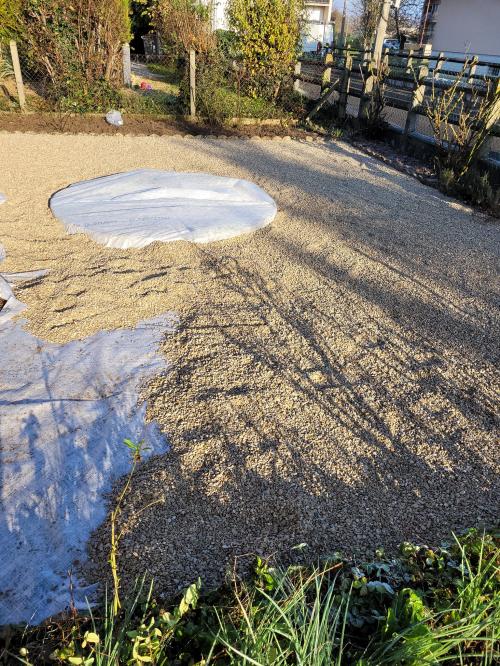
point(186, 24)
point(75, 45)
point(373, 117)
point(364, 17)
point(462, 116)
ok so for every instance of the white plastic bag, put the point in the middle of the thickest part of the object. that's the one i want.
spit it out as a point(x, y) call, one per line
point(114, 118)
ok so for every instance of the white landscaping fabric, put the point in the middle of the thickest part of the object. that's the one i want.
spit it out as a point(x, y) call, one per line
point(24, 276)
point(65, 411)
point(136, 208)
point(10, 308)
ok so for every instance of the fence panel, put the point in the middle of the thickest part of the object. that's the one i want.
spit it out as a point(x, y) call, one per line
point(409, 81)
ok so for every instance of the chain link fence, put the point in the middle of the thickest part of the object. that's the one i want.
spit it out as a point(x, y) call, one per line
point(158, 84)
point(154, 87)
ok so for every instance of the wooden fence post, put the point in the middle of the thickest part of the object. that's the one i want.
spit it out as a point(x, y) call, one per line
point(439, 64)
point(494, 92)
point(127, 67)
point(367, 55)
point(344, 87)
point(157, 44)
point(326, 77)
point(17, 74)
point(192, 82)
point(417, 100)
point(409, 62)
point(381, 32)
point(385, 59)
point(367, 92)
point(472, 71)
point(298, 70)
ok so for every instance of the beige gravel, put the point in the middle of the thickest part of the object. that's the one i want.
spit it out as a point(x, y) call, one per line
point(335, 375)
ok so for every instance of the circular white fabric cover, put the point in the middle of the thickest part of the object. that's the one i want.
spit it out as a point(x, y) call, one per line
point(136, 208)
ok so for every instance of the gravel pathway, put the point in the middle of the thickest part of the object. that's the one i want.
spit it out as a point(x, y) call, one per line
point(335, 375)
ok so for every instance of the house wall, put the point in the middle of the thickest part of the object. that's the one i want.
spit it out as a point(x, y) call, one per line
point(317, 28)
point(463, 26)
point(316, 32)
point(219, 15)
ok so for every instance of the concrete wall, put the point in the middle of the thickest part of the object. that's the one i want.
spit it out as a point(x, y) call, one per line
point(468, 26)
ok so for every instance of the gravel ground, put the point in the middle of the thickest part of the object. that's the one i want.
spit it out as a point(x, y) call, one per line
point(335, 375)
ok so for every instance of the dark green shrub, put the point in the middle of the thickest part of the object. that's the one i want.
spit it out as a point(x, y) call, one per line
point(227, 43)
point(477, 188)
point(101, 96)
point(473, 187)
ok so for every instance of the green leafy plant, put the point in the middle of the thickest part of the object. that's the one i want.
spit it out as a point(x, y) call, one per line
point(287, 616)
point(424, 606)
point(141, 634)
point(473, 187)
point(6, 70)
point(426, 627)
point(116, 534)
point(9, 19)
point(268, 38)
point(476, 187)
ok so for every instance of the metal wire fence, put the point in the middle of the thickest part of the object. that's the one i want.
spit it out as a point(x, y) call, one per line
point(36, 88)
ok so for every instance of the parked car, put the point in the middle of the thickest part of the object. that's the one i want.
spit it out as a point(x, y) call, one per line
point(391, 44)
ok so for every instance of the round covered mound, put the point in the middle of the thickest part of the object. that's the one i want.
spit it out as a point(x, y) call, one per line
point(140, 207)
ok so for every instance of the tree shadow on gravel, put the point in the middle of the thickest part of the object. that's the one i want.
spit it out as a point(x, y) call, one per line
point(336, 389)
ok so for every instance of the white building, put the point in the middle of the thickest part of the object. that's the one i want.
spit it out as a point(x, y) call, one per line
point(318, 28)
point(219, 15)
point(458, 27)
